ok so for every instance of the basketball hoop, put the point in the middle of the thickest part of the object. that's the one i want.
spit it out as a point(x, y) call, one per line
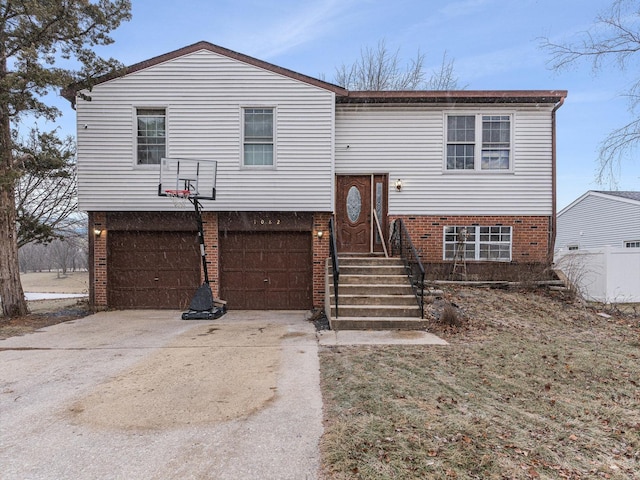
point(180, 198)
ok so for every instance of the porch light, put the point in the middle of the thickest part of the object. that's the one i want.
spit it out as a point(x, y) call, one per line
point(97, 232)
point(319, 234)
point(398, 184)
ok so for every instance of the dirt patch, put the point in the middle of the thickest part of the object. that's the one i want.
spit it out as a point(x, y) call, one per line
point(206, 376)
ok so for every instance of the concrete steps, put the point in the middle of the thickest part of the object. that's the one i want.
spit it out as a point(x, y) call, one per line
point(374, 294)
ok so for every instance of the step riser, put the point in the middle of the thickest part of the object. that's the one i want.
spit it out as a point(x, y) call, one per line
point(364, 270)
point(378, 324)
point(369, 261)
point(376, 311)
point(372, 280)
point(371, 290)
point(387, 300)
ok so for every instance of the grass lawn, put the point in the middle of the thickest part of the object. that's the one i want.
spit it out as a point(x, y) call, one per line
point(531, 386)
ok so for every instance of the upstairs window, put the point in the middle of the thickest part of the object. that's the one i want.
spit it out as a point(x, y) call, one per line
point(258, 137)
point(151, 136)
point(478, 142)
point(490, 243)
point(632, 244)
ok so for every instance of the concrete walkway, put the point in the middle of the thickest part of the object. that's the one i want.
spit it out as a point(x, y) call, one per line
point(142, 394)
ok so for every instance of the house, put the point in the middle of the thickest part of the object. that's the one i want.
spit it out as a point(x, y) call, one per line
point(293, 151)
point(599, 219)
point(598, 245)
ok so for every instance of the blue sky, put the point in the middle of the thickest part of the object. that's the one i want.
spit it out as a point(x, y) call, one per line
point(495, 45)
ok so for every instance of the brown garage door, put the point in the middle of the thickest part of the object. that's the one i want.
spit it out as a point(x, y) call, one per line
point(152, 269)
point(266, 270)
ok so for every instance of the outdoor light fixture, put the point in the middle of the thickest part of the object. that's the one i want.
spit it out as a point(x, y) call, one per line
point(97, 232)
point(319, 234)
point(398, 184)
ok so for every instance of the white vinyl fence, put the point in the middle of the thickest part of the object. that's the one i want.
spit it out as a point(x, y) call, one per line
point(607, 274)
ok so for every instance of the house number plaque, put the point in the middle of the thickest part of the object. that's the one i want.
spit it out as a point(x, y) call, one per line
point(266, 221)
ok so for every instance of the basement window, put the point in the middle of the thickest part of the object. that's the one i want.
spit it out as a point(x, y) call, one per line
point(478, 243)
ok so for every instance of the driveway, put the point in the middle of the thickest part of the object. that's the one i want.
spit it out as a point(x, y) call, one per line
point(143, 394)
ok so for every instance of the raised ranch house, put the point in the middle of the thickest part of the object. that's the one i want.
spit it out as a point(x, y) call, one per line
point(292, 152)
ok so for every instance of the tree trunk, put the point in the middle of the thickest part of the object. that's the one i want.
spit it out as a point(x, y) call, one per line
point(11, 294)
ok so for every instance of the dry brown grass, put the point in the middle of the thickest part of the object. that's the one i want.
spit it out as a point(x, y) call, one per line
point(530, 387)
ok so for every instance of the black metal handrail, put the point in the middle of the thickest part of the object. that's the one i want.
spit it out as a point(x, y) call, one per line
point(333, 251)
point(401, 244)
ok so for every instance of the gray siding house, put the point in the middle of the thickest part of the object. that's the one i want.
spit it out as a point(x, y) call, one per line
point(600, 219)
point(291, 152)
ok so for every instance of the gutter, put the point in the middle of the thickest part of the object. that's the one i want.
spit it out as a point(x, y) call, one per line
point(554, 194)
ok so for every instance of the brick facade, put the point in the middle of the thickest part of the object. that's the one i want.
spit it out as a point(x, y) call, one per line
point(210, 227)
point(530, 235)
point(320, 255)
point(98, 259)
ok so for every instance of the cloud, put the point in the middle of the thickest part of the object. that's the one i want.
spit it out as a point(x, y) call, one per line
point(306, 23)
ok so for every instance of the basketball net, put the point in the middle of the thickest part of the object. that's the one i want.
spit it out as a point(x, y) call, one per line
point(179, 198)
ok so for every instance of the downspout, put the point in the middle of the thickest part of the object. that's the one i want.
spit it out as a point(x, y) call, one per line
point(552, 226)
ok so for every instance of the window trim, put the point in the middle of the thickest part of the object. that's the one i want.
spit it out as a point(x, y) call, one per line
point(477, 242)
point(628, 243)
point(274, 110)
point(135, 134)
point(477, 167)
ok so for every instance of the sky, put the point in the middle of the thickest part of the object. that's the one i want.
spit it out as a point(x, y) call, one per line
point(495, 45)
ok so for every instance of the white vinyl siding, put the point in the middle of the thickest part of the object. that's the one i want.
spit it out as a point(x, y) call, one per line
point(408, 143)
point(598, 220)
point(204, 94)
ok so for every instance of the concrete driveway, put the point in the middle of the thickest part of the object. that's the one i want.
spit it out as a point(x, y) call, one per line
point(145, 395)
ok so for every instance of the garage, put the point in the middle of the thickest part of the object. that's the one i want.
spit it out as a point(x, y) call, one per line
point(266, 270)
point(152, 269)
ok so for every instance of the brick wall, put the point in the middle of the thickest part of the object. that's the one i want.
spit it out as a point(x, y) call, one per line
point(98, 274)
point(210, 227)
point(320, 255)
point(530, 235)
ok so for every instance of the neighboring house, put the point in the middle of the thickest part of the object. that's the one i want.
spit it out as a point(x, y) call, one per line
point(598, 245)
point(292, 151)
point(600, 219)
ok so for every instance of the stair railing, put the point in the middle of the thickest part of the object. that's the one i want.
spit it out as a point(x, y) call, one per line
point(333, 252)
point(401, 244)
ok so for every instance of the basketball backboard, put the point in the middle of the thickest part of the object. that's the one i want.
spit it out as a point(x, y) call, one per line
point(189, 178)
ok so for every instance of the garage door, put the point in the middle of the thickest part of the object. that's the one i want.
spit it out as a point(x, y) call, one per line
point(152, 269)
point(266, 270)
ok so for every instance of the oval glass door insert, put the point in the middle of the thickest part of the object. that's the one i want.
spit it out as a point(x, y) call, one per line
point(354, 204)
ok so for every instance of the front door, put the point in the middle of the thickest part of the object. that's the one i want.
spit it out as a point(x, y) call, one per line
point(357, 228)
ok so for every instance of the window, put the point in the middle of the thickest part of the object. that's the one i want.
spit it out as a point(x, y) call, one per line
point(573, 247)
point(478, 142)
point(152, 135)
point(258, 137)
point(632, 244)
point(479, 243)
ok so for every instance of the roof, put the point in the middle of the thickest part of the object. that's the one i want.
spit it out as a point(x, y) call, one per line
point(342, 95)
point(622, 196)
point(628, 195)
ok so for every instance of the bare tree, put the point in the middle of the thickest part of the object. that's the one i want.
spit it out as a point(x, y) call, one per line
point(380, 69)
point(46, 193)
point(614, 39)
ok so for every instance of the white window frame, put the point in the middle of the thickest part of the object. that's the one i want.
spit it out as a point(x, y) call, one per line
point(476, 239)
point(136, 137)
point(477, 143)
point(573, 247)
point(243, 141)
point(631, 244)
